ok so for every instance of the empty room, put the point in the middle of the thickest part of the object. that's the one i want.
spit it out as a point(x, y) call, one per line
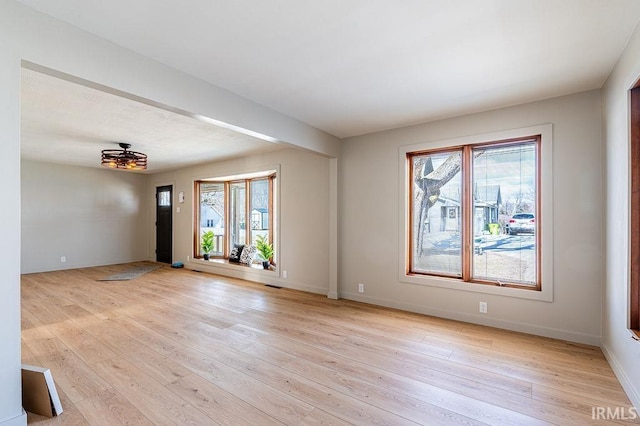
point(321, 212)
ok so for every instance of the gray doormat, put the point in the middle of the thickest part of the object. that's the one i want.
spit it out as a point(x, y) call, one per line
point(132, 273)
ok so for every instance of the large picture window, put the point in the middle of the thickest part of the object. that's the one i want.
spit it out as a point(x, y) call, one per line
point(475, 212)
point(236, 210)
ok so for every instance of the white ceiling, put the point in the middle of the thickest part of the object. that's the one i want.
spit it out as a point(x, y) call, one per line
point(351, 67)
point(59, 117)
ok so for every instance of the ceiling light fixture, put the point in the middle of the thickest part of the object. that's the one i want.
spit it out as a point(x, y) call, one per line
point(123, 158)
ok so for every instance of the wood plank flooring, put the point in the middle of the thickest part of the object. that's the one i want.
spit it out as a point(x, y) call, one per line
point(182, 347)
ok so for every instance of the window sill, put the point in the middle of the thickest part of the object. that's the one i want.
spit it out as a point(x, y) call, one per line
point(236, 264)
point(237, 267)
point(455, 284)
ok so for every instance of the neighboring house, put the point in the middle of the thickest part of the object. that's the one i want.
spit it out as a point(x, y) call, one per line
point(260, 218)
point(444, 215)
point(488, 201)
point(209, 218)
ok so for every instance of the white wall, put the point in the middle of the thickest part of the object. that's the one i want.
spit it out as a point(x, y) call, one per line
point(622, 352)
point(10, 394)
point(91, 216)
point(369, 212)
point(28, 35)
point(303, 249)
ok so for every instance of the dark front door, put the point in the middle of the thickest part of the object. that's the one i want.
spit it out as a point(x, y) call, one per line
point(164, 223)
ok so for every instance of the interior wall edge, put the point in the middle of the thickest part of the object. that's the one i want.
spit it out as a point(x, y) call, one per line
point(633, 392)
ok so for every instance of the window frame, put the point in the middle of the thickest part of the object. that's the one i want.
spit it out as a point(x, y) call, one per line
point(544, 214)
point(269, 176)
point(467, 235)
point(634, 214)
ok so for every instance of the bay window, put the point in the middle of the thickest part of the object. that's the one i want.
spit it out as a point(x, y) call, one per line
point(236, 209)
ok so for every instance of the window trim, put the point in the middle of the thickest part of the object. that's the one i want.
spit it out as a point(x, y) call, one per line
point(466, 170)
point(545, 206)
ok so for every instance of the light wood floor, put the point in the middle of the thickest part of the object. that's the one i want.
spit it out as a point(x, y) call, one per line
point(181, 347)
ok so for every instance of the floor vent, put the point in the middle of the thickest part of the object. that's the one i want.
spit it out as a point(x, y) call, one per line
point(272, 286)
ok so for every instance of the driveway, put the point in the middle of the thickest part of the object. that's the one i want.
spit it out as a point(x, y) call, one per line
point(504, 257)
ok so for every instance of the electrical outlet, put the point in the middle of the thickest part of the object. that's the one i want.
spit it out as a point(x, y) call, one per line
point(284, 274)
point(360, 288)
point(483, 307)
point(63, 259)
point(187, 258)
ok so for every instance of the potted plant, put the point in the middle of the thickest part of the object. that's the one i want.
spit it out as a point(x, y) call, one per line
point(207, 244)
point(265, 249)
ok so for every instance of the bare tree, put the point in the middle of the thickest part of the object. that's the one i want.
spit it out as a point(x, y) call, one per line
point(215, 200)
point(212, 195)
point(522, 202)
point(428, 183)
point(260, 194)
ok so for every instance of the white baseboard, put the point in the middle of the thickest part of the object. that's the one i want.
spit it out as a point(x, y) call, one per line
point(20, 420)
point(302, 287)
point(629, 387)
point(482, 320)
point(79, 265)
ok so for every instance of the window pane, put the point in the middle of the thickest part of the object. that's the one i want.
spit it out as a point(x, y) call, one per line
point(237, 213)
point(259, 209)
point(164, 198)
point(436, 213)
point(212, 214)
point(504, 222)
